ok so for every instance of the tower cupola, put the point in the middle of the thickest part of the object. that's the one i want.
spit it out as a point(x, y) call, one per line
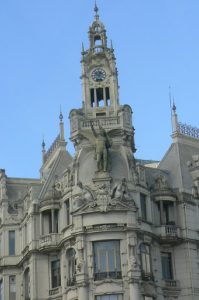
point(97, 34)
point(99, 73)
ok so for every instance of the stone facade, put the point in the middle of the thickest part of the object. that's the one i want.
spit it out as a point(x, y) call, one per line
point(103, 225)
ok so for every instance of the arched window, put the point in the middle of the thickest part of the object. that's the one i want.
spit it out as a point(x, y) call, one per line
point(98, 41)
point(27, 284)
point(145, 260)
point(70, 255)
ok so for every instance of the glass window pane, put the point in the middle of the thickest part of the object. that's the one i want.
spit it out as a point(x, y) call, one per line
point(12, 287)
point(11, 242)
point(166, 265)
point(107, 258)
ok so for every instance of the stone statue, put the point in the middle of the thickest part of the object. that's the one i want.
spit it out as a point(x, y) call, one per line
point(102, 143)
point(161, 183)
point(83, 196)
point(120, 191)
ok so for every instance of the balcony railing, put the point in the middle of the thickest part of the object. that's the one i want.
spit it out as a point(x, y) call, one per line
point(171, 230)
point(106, 275)
point(106, 123)
point(51, 239)
point(171, 284)
point(147, 276)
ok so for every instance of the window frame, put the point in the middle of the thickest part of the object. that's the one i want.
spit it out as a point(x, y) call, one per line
point(110, 267)
point(12, 242)
point(55, 278)
point(143, 206)
point(145, 258)
point(167, 265)
point(71, 259)
point(12, 285)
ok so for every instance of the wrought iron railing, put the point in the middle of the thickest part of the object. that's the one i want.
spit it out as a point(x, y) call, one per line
point(188, 130)
point(170, 283)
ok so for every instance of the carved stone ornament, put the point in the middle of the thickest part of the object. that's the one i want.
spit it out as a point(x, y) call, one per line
point(82, 196)
point(103, 197)
point(3, 188)
point(121, 192)
point(161, 183)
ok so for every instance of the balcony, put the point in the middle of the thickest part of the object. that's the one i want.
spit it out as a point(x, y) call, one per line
point(171, 287)
point(169, 233)
point(55, 291)
point(107, 275)
point(49, 240)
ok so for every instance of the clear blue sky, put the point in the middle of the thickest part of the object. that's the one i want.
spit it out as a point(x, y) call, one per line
point(156, 44)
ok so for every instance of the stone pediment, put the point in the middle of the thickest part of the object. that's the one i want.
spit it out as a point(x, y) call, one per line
point(104, 205)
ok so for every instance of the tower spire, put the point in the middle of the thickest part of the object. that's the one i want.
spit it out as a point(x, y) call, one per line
point(61, 125)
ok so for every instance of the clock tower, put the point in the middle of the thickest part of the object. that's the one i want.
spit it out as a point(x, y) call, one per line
point(99, 73)
point(101, 130)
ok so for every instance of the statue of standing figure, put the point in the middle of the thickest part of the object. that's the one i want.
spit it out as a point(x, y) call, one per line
point(103, 143)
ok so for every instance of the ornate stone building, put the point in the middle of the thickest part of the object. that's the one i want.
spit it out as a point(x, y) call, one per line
point(103, 225)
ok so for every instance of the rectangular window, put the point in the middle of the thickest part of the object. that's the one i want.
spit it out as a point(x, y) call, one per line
point(92, 94)
point(67, 212)
point(12, 287)
point(107, 96)
point(107, 259)
point(143, 206)
point(55, 273)
point(166, 260)
point(56, 217)
point(100, 97)
point(109, 297)
point(145, 260)
point(11, 242)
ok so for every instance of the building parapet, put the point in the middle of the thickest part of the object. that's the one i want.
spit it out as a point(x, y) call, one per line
point(188, 130)
point(52, 148)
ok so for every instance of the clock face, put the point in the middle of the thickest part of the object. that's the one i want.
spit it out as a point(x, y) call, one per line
point(98, 74)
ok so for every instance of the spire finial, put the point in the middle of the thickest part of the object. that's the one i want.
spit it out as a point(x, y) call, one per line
point(43, 144)
point(61, 115)
point(61, 125)
point(43, 150)
point(96, 10)
point(174, 106)
point(82, 47)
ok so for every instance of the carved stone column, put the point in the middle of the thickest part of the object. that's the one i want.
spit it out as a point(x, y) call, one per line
point(134, 290)
point(83, 293)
